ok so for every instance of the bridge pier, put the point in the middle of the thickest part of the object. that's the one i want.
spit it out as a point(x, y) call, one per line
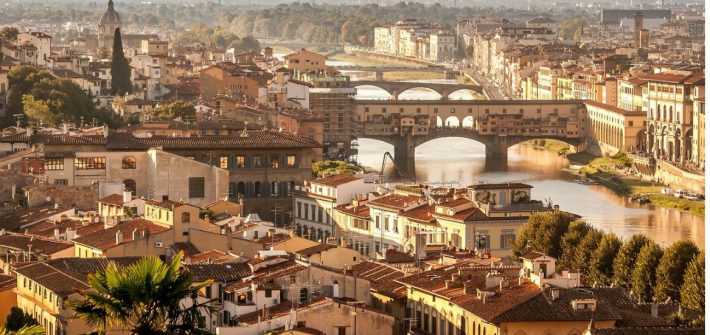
point(379, 75)
point(498, 149)
point(404, 154)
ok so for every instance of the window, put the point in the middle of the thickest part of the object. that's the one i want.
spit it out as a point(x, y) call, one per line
point(62, 182)
point(54, 164)
point(196, 186)
point(291, 161)
point(258, 161)
point(292, 279)
point(239, 161)
point(303, 296)
point(90, 163)
point(130, 185)
point(185, 217)
point(224, 162)
point(377, 222)
point(507, 238)
point(128, 162)
point(267, 293)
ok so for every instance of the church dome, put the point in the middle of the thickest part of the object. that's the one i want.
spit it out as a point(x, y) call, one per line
point(110, 16)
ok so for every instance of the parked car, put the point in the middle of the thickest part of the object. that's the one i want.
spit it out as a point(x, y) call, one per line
point(667, 191)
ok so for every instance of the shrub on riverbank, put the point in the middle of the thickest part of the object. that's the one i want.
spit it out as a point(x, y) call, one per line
point(669, 201)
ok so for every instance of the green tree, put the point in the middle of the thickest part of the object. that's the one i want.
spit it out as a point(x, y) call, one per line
point(27, 330)
point(569, 242)
point(333, 168)
point(643, 277)
point(671, 268)
point(17, 319)
point(692, 293)
point(174, 109)
point(543, 233)
point(120, 69)
point(602, 262)
point(626, 258)
point(144, 297)
point(8, 34)
point(44, 111)
point(587, 245)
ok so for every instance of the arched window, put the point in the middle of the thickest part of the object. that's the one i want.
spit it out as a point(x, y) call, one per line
point(130, 185)
point(232, 190)
point(129, 162)
point(274, 188)
point(185, 217)
point(257, 188)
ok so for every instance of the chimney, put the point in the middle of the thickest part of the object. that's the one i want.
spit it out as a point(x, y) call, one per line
point(56, 205)
point(271, 232)
point(500, 285)
point(105, 130)
point(119, 237)
point(127, 196)
point(56, 233)
point(134, 235)
point(555, 293)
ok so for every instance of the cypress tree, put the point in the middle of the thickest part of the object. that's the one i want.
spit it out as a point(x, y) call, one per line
point(120, 69)
point(602, 260)
point(643, 278)
point(672, 267)
point(625, 260)
point(692, 293)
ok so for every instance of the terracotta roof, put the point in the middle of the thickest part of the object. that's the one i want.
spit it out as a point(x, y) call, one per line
point(395, 256)
point(469, 214)
point(281, 309)
point(113, 199)
point(394, 201)
point(612, 303)
point(335, 180)
point(667, 77)
point(455, 203)
point(361, 211)
point(106, 239)
point(54, 280)
point(421, 213)
point(7, 282)
point(227, 272)
point(63, 139)
point(614, 109)
point(18, 218)
point(254, 139)
point(204, 257)
point(46, 228)
point(40, 245)
point(167, 204)
point(188, 249)
point(268, 274)
point(316, 249)
point(532, 255)
point(498, 186)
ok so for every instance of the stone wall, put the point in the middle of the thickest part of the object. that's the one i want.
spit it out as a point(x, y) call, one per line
point(82, 197)
point(12, 181)
point(677, 178)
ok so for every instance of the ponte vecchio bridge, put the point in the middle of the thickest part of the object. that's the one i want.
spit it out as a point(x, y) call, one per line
point(497, 124)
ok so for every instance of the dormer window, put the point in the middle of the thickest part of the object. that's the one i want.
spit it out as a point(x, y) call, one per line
point(584, 305)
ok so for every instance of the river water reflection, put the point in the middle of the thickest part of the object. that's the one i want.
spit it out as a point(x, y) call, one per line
point(462, 162)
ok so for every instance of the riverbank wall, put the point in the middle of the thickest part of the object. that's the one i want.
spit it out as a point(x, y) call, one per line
point(678, 178)
point(390, 58)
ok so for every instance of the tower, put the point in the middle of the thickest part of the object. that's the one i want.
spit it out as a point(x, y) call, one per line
point(110, 20)
point(638, 25)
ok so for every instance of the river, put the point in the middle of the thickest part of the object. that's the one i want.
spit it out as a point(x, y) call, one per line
point(541, 169)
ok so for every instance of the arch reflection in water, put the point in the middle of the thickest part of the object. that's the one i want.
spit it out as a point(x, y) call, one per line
point(463, 161)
